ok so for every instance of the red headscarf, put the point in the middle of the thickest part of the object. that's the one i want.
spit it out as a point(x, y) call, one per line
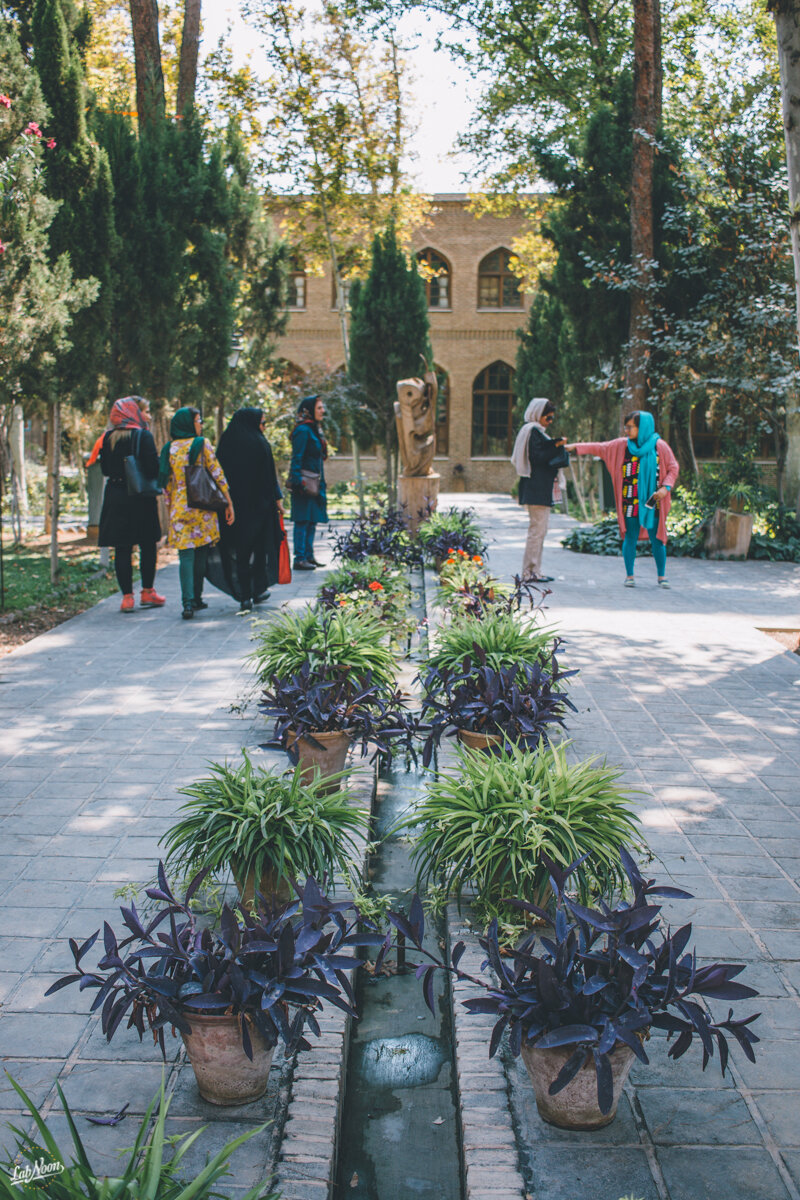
point(126, 414)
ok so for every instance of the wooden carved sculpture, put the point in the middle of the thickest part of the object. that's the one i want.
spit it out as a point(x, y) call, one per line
point(415, 414)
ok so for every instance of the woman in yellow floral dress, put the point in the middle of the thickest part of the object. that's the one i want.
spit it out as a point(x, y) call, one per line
point(191, 530)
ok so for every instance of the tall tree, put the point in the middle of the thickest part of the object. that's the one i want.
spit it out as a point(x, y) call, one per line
point(646, 118)
point(787, 26)
point(190, 47)
point(390, 332)
point(150, 98)
point(78, 177)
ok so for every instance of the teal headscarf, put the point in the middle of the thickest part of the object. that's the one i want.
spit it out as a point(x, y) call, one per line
point(181, 426)
point(645, 450)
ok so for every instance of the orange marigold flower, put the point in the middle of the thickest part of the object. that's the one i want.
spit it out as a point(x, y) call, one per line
point(375, 586)
point(463, 554)
point(341, 602)
point(477, 558)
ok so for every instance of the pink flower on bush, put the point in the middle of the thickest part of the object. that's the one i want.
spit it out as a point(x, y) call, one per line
point(2, 248)
point(33, 129)
point(5, 101)
point(50, 143)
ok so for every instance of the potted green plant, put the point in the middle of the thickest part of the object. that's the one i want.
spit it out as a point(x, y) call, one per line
point(486, 824)
point(505, 640)
point(324, 643)
point(375, 586)
point(148, 1172)
point(232, 993)
point(579, 1005)
point(270, 829)
point(731, 528)
point(443, 534)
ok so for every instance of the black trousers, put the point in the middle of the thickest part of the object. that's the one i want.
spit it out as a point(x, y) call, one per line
point(251, 562)
point(123, 566)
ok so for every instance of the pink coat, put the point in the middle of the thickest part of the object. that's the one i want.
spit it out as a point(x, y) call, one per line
point(613, 455)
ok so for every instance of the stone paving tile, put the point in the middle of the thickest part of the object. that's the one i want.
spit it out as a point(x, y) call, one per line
point(684, 692)
point(88, 787)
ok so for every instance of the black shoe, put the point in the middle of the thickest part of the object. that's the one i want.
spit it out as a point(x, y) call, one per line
point(245, 607)
point(198, 604)
point(260, 599)
point(540, 579)
point(188, 612)
point(304, 565)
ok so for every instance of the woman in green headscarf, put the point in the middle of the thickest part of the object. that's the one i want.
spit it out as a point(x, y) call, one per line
point(191, 530)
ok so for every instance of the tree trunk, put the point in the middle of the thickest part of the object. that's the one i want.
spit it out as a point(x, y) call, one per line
point(54, 441)
point(190, 45)
point(787, 27)
point(647, 82)
point(16, 445)
point(150, 101)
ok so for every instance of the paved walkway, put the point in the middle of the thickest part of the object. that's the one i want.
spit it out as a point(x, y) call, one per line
point(101, 721)
point(701, 709)
point(103, 718)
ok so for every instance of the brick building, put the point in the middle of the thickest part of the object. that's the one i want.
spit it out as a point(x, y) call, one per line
point(476, 307)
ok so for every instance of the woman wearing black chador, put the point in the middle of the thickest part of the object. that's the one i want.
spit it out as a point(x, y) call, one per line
point(253, 540)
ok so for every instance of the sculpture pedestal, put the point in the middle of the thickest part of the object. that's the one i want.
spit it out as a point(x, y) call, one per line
point(415, 494)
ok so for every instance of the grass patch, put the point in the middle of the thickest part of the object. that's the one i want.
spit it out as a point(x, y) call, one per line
point(27, 577)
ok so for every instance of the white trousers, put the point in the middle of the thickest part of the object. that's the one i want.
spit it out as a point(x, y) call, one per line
point(538, 517)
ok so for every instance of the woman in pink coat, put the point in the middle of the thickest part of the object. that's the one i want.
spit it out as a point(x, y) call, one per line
point(643, 471)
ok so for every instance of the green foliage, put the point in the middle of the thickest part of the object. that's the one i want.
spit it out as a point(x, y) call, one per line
point(146, 1174)
point(451, 529)
point(374, 586)
point(505, 638)
point(80, 582)
point(38, 296)
point(486, 825)
point(389, 330)
point(78, 176)
point(263, 821)
point(325, 640)
point(776, 530)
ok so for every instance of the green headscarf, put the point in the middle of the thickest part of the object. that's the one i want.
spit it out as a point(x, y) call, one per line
point(181, 426)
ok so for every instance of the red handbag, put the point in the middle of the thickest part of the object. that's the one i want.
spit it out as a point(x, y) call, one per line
point(284, 561)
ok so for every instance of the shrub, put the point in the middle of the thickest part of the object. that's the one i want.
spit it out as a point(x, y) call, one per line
point(504, 640)
point(325, 640)
point(443, 532)
point(487, 824)
point(260, 820)
point(381, 532)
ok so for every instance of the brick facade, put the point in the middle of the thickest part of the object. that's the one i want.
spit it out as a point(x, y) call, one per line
point(465, 339)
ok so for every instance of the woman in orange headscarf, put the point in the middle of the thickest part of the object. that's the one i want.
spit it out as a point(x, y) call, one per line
point(127, 521)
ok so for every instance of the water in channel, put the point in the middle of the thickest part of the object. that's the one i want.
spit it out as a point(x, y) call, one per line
point(399, 1134)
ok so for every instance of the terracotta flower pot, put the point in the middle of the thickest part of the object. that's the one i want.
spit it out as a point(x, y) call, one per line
point(326, 759)
point(269, 884)
point(575, 1106)
point(224, 1073)
point(478, 741)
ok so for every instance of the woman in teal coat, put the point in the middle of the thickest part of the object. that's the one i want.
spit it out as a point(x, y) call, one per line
point(309, 451)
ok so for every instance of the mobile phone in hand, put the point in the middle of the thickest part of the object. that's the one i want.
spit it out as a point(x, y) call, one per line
point(651, 503)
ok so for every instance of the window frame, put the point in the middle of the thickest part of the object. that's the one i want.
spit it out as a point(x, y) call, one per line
point(503, 274)
point(429, 280)
point(485, 392)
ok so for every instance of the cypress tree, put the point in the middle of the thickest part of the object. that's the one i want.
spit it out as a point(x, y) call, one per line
point(389, 333)
point(78, 176)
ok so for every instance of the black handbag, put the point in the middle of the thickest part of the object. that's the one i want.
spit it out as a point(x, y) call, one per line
point(309, 482)
point(202, 490)
point(135, 478)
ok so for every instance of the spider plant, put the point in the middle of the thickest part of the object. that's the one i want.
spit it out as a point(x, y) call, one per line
point(487, 824)
point(325, 639)
point(41, 1168)
point(505, 640)
point(261, 822)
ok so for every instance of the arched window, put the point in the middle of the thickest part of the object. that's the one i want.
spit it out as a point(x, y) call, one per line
point(492, 411)
point(498, 286)
point(442, 412)
point(436, 272)
point(296, 290)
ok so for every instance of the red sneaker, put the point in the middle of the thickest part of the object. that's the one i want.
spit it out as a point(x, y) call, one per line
point(151, 599)
point(127, 603)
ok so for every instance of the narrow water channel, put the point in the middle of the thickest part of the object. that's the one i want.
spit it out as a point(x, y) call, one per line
point(399, 1134)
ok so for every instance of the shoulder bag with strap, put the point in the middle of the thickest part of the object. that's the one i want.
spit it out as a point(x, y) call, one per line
point(135, 478)
point(202, 489)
